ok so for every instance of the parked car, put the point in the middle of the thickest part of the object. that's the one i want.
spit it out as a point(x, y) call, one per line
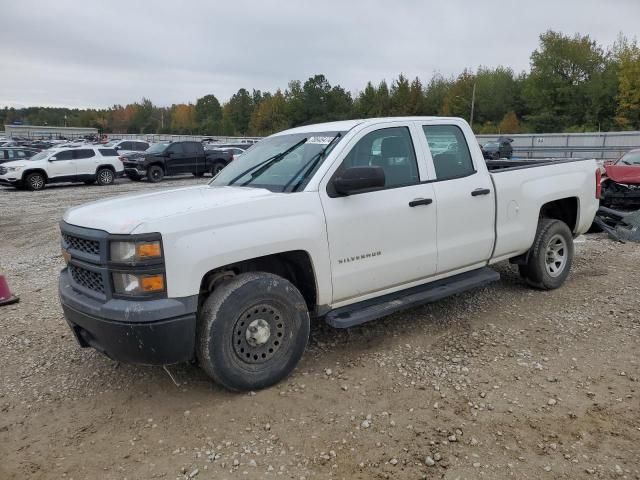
point(220, 146)
point(8, 154)
point(126, 146)
point(499, 149)
point(87, 164)
point(621, 182)
point(312, 223)
point(175, 158)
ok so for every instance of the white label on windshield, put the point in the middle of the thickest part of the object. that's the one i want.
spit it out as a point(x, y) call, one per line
point(320, 140)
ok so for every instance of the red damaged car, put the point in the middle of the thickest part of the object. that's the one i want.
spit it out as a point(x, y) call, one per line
point(621, 182)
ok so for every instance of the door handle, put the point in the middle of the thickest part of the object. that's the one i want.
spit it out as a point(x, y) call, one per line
point(480, 191)
point(420, 201)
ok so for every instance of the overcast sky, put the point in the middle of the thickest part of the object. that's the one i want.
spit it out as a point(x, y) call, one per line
point(100, 53)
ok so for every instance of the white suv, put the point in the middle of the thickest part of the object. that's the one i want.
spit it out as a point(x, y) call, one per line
point(89, 164)
point(124, 147)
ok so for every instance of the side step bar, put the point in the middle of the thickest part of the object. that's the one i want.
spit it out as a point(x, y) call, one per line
point(368, 310)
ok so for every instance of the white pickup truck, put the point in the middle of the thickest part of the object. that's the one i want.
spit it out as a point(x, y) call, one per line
point(347, 222)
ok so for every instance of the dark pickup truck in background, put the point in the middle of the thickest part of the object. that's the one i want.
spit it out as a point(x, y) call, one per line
point(175, 158)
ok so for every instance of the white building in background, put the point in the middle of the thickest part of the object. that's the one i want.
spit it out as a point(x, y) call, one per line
point(46, 132)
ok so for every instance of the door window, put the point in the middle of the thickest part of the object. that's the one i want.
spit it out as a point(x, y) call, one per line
point(177, 148)
point(388, 148)
point(83, 153)
point(449, 150)
point(192, 148)
point(64, 155)
point(141, 146)
point(108, 152)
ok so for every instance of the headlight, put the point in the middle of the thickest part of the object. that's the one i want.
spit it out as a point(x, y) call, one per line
point(132, 252)
point(17, 168)
point(138, 284)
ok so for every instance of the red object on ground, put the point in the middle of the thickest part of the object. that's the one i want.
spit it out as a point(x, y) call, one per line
point(6, 298)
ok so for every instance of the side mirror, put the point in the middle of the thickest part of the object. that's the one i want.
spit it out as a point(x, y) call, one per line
point(116, 148)
point(358, 179)
point(52, 159)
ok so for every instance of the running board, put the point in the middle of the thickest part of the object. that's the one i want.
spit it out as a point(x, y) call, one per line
point(368, 310)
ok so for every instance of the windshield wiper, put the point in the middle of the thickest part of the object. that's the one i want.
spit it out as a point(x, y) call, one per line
point(263, 166)
point(310, 165)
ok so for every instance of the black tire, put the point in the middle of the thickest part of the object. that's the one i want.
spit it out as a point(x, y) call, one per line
point(198, 174)
point(105, 176)
point(35, 181)
point(89, 182)
point(550, 257)
point(155, 173)
point(217, 167)
point(242, 359)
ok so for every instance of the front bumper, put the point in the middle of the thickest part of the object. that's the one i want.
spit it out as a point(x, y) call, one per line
point(10, 181)
point(135, 170)
point(150, 332)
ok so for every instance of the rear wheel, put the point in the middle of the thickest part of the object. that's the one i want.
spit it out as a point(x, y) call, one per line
point(105, 176)
point(216, 168)
point(550, 258)
point(35, 181)
point(155, 173)
point(252, 331)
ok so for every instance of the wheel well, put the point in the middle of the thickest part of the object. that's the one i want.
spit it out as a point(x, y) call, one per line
point(565, 209)
point(35, 170)
point(110, 167)
point(295, 266)
point(157, 164)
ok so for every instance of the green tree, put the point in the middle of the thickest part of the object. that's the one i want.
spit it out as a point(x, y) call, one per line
point(627, 55)
point(208, 115)
point(558, 87)
point(400, 96)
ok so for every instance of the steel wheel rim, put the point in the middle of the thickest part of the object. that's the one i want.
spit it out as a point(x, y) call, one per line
point(258, 334)
point(37, 182)
point(105, 176)
point(556, 255)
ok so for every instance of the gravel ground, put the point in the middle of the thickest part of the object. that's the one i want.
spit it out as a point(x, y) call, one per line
point(500, 382)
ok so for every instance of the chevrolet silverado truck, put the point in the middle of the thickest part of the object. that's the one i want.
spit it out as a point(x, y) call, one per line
point(174, 158)
point(344, 222)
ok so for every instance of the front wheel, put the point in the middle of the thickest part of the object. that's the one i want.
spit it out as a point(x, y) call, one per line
point(155, 173)
point(550, 258)
point(105, 176)
point(35, 181)
point(252, 331)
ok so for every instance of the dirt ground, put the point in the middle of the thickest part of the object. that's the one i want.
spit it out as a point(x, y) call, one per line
point(501, 382)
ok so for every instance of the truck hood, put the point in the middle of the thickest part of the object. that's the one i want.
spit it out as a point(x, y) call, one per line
point(122, 215)
point(627, 174)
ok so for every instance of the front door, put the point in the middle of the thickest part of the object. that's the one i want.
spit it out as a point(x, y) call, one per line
point(61, 166)
point(465, 200)
point(177, 160)
point(86, 162)
point(385, 238)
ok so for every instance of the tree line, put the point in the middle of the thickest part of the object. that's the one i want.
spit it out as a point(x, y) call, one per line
point(574, 85)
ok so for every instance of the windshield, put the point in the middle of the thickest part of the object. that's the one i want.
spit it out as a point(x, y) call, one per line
point(491, 145)
point(157, 148)
point(631, 158)
point(39, 156)
point(111, 143)
point(261, 166)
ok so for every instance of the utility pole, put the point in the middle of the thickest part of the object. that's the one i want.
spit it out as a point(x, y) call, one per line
point(473, 103)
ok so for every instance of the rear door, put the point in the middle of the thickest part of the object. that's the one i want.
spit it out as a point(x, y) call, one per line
point(194, 157)
point(86, 162)
point(61, 166)
point(465, 198)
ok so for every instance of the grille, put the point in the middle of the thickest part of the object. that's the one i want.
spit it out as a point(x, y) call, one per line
point(3, 170)
point(87, 279)
point(87, 246)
